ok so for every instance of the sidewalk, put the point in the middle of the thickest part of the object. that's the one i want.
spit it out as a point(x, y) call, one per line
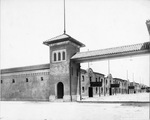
point(120, 98)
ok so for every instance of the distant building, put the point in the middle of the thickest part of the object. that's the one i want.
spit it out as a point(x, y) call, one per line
point(123, 86)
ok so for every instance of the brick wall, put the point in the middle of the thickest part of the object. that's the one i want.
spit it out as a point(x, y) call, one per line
point(24, 86)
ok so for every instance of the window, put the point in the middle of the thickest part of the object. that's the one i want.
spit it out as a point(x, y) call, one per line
point(96, 89)
point(90, 79)
point(96, 79)
point(63, 55)
point(55, 57)
point(59, 56)
point(102, 80)
point(82, 78)
point(83, 89)
point(41, 78)
point(27, 80)
point(1, 81)
point(13, 80)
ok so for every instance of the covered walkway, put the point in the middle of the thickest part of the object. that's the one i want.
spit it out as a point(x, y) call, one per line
point(110, 53)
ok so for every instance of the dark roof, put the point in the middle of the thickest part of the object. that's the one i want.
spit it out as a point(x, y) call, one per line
point(61, 38)
point(119, 79)
point(26, 68)
point(112, 51)
point(99, 73)
point(83, 71)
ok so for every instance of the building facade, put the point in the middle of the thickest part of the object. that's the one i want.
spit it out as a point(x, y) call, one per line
point(92, 83)
point(57, 80)
point(62, 78)
point(25, 83)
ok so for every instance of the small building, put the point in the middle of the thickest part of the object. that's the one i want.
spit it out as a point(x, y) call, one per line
point(92, 83)
point(123, 86)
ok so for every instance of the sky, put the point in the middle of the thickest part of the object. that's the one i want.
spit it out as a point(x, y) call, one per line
point(99, 24)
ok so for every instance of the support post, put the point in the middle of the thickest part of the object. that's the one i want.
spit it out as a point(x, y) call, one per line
point(79, 75)
point(104, 86)
point(99, 89)
point(70, 82)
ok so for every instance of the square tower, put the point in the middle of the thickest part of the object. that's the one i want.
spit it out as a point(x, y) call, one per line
point(63, 72)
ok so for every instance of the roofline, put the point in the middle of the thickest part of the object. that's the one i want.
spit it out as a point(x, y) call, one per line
point(110, 56)
point(145, 49)
point(120, 79)
point(25, 68)
point(47, 42)
point(99, 73)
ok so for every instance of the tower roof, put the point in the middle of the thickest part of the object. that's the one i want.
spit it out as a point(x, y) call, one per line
point(61, 38)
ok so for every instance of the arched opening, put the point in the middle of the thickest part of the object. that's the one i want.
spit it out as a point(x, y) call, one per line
point(55, 57)
point(64, 55)
point(60, 90)
point(59, 56)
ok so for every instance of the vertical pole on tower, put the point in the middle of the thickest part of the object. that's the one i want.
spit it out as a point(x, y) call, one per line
point(64, 17)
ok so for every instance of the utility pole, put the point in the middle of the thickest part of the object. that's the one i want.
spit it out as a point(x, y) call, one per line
point(127, 74)
point(127, 83)
point(108, 67)
point(148, 27)
point(88, 63)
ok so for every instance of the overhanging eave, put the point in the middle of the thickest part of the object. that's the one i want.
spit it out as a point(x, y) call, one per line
point(111, 56)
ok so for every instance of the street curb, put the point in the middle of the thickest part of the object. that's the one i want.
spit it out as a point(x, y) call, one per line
point(113, 102)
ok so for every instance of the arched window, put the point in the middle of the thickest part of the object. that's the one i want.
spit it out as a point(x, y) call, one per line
point(59, 56)
point(54, 56)
point(63, 55)
point(82, 78)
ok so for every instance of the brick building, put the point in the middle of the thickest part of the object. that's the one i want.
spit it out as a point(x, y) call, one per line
point(92, 83)
point(56, 80)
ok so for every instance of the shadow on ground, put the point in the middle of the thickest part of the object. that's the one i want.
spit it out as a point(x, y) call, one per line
point(136, 104)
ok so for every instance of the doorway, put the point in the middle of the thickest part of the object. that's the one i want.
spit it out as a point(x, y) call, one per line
point(60, 90)
point(90, 92)
point(110, 91)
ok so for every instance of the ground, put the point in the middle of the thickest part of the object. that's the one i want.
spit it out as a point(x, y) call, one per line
point(76, 110)
point(121, 97)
